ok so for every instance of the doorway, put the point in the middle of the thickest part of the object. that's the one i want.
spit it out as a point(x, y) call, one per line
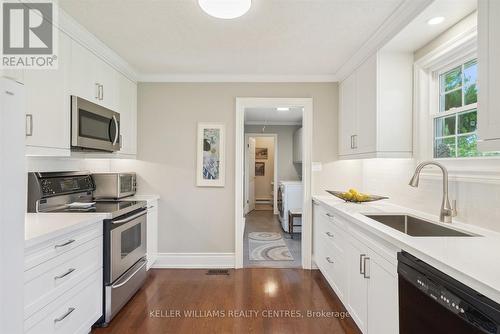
point(248, 217)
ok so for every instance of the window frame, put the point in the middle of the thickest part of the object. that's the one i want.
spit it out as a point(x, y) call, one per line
point(436, 111)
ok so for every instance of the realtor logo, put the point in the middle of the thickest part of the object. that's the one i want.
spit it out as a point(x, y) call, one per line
point(28, 38)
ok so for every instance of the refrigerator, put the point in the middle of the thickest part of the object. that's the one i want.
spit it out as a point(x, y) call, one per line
point(12, 204)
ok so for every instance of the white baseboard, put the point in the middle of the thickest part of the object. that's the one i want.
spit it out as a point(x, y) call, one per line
point(194, 260)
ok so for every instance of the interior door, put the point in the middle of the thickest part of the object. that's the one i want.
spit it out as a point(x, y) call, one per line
point(251, 173)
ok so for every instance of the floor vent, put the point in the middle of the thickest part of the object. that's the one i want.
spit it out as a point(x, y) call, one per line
point(218, 272)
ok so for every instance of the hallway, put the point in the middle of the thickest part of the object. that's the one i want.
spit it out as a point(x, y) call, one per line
point(265, 221)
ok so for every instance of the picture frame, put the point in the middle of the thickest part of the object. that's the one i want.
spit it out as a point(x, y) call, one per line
point(260, 168)
point(261, 153)
point(210, 164)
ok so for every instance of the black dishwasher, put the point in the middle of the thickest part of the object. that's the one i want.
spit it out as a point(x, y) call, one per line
point(433, 302)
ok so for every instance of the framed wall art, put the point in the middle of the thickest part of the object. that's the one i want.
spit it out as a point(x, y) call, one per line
point(210, 170)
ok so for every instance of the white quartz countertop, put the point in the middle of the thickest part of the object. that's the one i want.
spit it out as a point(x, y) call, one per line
point(143, 198)
point(41, 227)
point(474, 261)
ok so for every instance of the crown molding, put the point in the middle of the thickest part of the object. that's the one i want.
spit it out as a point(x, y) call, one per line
point(234, 78)
point(81, 35)
point(400, 18)
point(271, 123)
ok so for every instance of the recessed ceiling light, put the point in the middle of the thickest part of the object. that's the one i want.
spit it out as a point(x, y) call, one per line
point(225, 9)
point(435, 20)
point(283, 109)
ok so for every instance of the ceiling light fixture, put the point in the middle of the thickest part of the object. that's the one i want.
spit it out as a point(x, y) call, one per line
point(283, 109)
point(435, 20)
point(225, 9)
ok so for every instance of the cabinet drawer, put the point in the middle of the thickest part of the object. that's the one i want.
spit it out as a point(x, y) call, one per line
point(57, 246)
point(333, 266)
point(74, 312)
point(49, 280)
point(327, 231)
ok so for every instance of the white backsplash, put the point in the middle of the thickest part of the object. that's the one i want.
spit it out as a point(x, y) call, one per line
point(43, 164)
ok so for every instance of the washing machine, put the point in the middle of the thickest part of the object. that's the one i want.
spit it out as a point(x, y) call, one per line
point(290, 197)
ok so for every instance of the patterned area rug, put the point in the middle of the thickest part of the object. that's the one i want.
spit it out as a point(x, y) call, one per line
point(268, 246)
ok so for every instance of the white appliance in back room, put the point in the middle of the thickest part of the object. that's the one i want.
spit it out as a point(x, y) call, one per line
point(290, 197)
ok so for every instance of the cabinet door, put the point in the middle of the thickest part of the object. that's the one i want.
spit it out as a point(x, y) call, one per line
point(382, 300)
point(366, 107)
point(127, 107)
point(83, 73)
point(489, 74)
point(152, 234)
point(347, 115)
point(48, 106)
point(109, 79)
point(357, 285)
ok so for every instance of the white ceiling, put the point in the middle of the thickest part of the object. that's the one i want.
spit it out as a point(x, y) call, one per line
point(272, 116)
point(418, 33)
point(276, 37)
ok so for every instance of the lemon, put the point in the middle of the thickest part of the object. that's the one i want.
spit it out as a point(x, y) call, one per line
point(347, 196)
point(353, 191)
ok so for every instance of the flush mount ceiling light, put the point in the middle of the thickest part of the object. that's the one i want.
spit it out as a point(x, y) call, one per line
point(225, 9)
point(283, 109)
point(435, 20)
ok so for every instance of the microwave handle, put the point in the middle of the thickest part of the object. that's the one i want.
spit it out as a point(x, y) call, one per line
point(117, 131)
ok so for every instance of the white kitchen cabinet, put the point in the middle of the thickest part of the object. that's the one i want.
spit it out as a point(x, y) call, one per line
point(127, 107)
point(363, 280)
point(48, 106)
point(375, 116)
point(152, 233)
point(93, 79)
point(297, 146)
point(488, 75)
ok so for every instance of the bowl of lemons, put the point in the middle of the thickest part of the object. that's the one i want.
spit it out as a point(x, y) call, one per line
point(354, 196)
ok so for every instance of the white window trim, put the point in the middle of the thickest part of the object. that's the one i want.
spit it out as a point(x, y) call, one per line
point(426, 93)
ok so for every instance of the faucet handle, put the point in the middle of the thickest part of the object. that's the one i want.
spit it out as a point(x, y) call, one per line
point(454, 208)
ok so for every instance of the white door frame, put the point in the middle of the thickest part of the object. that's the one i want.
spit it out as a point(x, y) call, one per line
point(307, 125)
point(275, 178)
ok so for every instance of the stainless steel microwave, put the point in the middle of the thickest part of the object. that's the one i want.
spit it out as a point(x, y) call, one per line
point(114, 185)
point(94, 127)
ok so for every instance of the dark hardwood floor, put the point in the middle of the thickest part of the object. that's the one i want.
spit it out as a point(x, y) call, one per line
point(245, 301)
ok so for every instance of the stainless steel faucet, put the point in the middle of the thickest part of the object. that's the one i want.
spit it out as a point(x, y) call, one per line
point(447, 210)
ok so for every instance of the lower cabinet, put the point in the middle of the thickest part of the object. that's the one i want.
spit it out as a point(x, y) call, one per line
point(365, 282)
point(152, 233)
point(63, 283)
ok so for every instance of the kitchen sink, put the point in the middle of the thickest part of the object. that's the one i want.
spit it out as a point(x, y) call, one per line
point(416, 227)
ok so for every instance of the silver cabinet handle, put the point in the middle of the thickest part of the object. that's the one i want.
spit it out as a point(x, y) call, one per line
point(101, 92)
point(65, 315)
point(8, 92)
point(352, 143)
point(361, 268)
point(151, 207)
point(366, 273)
point(97, 91)
point(65, 244)
point(330, 215)
point(329, 234)
point(117, 130)
point(29, 125)
point(355, 137)
point(65, 274)
point(329, 259)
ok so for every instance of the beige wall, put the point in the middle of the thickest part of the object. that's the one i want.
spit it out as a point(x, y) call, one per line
point(263, 186)
point(196, 219)
point(287, 170)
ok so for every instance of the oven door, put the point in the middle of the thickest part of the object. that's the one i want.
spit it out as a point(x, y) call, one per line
point(93, 126)
point(127, 243)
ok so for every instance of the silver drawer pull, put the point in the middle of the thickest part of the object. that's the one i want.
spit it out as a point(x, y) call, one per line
point(329, 259)
point(366, 273)
point(151, 207)
point(330, 215)
point(65, 274)
point(65, 315)
point(329, 234)
point(65, 244)
point(361, 269)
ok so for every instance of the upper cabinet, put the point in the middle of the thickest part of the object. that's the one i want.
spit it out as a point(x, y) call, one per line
point(127, 107)
point(92, 78)
point(375, 116)
point(488, 75)
point(48, 106)
point(297, 146)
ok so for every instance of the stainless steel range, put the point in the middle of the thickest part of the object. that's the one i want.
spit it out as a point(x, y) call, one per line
point(124, 231)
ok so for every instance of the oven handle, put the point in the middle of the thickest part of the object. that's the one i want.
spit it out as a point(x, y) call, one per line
point(128, 219)
point(116, 286)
